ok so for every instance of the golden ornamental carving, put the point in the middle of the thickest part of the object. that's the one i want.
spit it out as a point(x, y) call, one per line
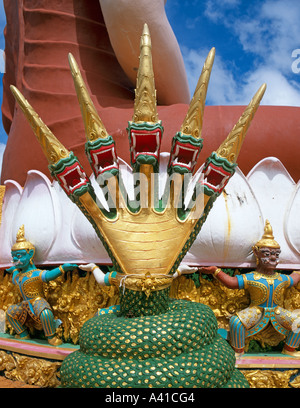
point(296, 382)
point(223, 301)
point(146, 283)
point(269, 378)
point(75, 299)
point(291, 298)
point(9, 293)
point(267, 337)
point(7, 362)
point(29, 370)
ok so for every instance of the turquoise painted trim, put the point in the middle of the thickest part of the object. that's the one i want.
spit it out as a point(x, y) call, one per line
point(106, 279)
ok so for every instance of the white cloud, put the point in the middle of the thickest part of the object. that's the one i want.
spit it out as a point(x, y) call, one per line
point(215, 9)
point(224, 89)
point(269, 33)
point(280, 91)
point(273, 33)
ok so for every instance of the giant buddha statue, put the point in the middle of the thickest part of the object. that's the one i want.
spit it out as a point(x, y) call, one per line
point(39, 35)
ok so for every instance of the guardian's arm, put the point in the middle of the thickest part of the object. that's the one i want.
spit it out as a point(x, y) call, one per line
point(230, 282)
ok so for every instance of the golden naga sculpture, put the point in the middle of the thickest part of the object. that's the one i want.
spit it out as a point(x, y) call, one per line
point(148, 236)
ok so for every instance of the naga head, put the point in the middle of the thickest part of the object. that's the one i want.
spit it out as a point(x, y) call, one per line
point(145, 130)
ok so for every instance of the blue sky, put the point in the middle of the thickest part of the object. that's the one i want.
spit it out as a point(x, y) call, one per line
point(256, 41)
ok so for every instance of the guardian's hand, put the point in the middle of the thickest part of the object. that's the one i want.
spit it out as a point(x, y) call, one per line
point(89, 267)
point(11, 269)
point(208, 270)
point(69, 267)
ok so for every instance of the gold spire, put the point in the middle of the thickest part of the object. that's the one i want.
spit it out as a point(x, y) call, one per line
point(53, 149)
point(145, 93)
point(192, 124)
point(21, 242)
point(267, 239)
point(94, 128)
point(231, 147)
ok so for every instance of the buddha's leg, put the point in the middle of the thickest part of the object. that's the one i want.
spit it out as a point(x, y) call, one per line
point(237, 334)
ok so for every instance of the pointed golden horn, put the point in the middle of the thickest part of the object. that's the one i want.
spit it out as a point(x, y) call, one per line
point(53, 149)
point(192, 124)
point(94, 128)
point(145, 93)
point(231, 146)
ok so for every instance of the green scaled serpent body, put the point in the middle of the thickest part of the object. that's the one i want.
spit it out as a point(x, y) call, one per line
point(179, 347)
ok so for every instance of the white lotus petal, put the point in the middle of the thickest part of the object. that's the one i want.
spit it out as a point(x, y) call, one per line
point(232, 226)
point(38, 211)
point(273, 188)
point(87, 245)
point(292, 221)
point(87, 241)
point(12, 196)
point(63, 249)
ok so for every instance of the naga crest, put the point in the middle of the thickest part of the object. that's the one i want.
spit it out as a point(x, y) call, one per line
point(148, 235)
